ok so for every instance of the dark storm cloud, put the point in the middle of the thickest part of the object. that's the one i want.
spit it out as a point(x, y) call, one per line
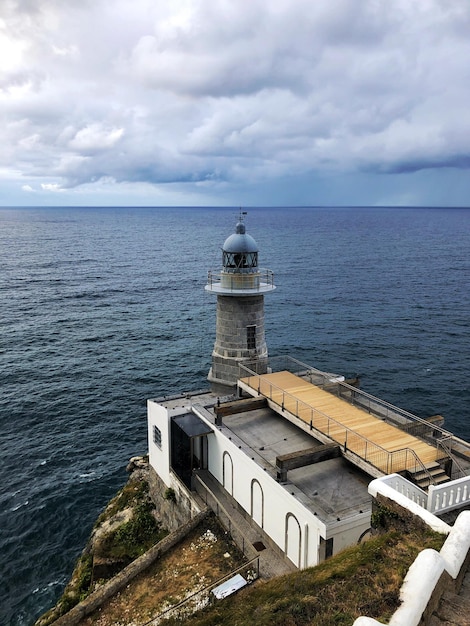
point(195, 91)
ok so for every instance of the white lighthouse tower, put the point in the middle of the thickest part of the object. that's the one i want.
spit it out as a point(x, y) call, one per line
point(240, 287)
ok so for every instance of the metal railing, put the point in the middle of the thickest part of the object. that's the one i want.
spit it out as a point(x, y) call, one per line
point(262, 277)
point(387, 462)
point(202, 597)
point(223, 516)
point(408, 422)
point(457, 470)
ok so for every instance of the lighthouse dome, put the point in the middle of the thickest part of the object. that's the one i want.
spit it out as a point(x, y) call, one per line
point(240, 251)
point(240, 241)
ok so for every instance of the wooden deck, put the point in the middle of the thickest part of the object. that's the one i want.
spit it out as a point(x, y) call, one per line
point(365, 435)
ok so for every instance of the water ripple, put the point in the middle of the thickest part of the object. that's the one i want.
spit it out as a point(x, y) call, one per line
point(92, 329)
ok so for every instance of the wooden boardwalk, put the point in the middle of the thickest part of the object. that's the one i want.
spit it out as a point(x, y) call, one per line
point(367, 436)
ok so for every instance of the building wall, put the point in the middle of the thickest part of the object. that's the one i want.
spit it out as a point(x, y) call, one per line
point(294, 528)
point(289, 524)
point(160, 455)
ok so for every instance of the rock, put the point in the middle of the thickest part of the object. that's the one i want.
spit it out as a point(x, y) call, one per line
point(137, 462)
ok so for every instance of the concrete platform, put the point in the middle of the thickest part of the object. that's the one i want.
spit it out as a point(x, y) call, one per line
point(331, 489)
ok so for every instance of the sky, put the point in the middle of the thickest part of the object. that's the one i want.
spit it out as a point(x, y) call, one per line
point(234, 102)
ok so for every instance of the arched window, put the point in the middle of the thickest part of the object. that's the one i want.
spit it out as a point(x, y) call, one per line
point(227, 472)
point(257, 502)
point(293, 539)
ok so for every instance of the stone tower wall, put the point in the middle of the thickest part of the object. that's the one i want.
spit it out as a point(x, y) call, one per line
point(234, 314)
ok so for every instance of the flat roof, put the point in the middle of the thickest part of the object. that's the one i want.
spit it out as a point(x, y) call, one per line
point(192, 425)
point(335, 490)
point(331, 489)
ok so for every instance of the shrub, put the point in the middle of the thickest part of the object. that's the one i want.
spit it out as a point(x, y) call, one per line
point(170, 494)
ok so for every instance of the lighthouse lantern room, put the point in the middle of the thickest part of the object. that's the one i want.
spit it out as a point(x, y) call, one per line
point(240, 287)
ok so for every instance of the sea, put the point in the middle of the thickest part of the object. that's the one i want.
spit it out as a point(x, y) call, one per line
point(102, 308)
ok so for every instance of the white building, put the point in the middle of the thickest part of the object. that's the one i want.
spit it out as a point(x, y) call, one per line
point(298, 490)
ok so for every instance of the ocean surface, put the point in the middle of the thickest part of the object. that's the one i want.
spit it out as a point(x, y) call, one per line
point(104, 308)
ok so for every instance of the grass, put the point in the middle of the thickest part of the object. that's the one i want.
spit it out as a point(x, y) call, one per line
point(133, 492)
point(124, 543)
point(362, 580)
point(134, 537)
point(203, 556)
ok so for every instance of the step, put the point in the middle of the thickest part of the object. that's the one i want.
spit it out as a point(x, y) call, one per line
point(437, 480)
point(433, 472)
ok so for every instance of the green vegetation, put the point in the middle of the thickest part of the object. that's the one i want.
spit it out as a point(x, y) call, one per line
point(134, 537)
point(383, 517)
point(362, 580)
point(170, 494)
point(125, 530)
point(133, 492)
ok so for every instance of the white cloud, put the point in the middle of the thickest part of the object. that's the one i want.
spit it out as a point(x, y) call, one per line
point(55, 187)
point(200, 94)
point(94, 137)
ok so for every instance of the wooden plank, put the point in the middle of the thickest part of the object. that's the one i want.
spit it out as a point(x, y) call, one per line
point(239, 406)
point(336, 417)
point(301, 458)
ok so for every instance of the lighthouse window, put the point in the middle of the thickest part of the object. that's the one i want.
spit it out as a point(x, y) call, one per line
point(238, 260)
point(157, 436)
point(251, 337)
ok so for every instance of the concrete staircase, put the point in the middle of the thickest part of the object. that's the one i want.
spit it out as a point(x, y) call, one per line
point(434, 475)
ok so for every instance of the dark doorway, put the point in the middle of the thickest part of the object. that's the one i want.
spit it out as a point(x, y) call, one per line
point(188, 445)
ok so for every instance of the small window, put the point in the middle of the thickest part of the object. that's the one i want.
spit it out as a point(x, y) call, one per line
point(157, 436)
point(251, 337)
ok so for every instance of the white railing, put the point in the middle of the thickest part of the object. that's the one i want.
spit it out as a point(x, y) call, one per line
point(439, 499)
point(451, 495)
point(407, 488)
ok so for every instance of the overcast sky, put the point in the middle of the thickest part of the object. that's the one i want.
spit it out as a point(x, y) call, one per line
point(235, 102)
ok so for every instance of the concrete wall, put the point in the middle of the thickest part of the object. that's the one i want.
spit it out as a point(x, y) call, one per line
point(294, 528)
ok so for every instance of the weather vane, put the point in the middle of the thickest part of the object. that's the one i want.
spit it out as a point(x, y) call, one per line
point(242, 215)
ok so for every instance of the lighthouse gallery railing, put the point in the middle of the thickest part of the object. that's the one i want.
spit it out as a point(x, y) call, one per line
point(240, 279)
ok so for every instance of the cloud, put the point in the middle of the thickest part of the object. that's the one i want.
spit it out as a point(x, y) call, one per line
point(219, 95)
point(94, 138)
point(55, 187)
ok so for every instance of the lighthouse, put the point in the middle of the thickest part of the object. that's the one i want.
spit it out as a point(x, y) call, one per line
point(240, 287)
